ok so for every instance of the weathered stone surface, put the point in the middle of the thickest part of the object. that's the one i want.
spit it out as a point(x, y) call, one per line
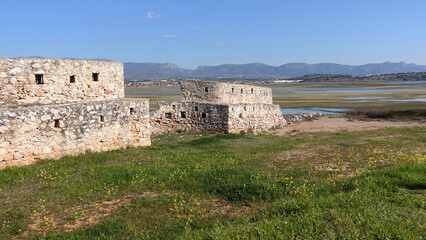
point(218, 107)
point(187, 117)
point(224, 93)
point(79, 107)
point(106, 128)
point(18, 86)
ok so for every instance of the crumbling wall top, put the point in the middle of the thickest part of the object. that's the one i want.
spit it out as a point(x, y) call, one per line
point(224, 93)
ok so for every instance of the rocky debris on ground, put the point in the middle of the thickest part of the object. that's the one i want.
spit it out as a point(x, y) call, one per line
point(304, 117)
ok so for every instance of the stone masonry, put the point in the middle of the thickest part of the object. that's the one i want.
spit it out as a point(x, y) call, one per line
point(63, 81)
point(218, 107)
point(55, 107)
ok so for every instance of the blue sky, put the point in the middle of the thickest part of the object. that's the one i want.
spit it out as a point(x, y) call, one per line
point(212, 32)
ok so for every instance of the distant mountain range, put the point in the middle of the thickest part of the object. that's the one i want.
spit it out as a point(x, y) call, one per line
point(134, 71)
point(143, 71)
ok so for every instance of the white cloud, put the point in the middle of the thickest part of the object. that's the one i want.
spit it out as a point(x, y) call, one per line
point(220, 44)
point(196, 28)
point(169, 36)
point(151, 15)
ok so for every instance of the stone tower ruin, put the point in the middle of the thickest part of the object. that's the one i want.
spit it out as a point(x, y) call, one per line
point(218, 107)
point(55, 107)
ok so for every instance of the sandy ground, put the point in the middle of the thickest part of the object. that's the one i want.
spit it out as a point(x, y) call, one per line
point(325, 124)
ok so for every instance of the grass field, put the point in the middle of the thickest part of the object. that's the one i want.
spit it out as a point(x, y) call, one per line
point(347, 185)
point(328, 95)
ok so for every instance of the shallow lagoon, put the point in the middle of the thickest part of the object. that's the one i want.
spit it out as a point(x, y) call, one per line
point(293, 111)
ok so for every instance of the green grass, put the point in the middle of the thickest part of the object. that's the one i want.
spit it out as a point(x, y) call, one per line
point(346, 185)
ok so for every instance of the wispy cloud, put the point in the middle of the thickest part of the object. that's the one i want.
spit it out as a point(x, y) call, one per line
point(169, 36)
point(220, 44)
point(196, 28)
point(151, 15)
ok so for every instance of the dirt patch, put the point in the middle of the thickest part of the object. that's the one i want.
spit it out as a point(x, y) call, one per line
point(83, 215)
point(327, 124)
point(217, 206)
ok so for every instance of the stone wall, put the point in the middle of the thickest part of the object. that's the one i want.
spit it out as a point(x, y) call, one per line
point(237, 118)
point(188, 117)
point(64, 80)
point(218, 107)
point(52, 131)
point(254, 118)
point(224, 93)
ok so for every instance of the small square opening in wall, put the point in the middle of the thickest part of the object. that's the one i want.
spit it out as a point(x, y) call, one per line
point(132, 111)
point(168, 115)
point(182, 114)
point(57, 124)
point(242, 91)
point(95, 77)
point(195, 108)
point(101, 118)
point(233, 90)
point(206, 89)
point(39, 78)
point(204, 115)
point(252, 91)
point(245, 108)
point(72, 79)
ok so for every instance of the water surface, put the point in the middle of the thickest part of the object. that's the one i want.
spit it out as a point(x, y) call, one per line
point(293, 111)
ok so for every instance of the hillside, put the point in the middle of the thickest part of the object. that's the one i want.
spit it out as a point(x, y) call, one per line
point(144, 71)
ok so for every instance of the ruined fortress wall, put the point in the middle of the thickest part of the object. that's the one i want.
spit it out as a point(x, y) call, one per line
point(224, 93)
point(52, 131)
point(64, 80)
point(187, 117)
point(237, 118)
point(254, 118)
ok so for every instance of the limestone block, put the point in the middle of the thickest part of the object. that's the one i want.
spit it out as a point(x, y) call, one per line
point(17, 156)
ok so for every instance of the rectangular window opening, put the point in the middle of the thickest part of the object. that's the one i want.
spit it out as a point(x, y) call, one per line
point(168, 115)
point(132, 111)
point(39, 78)
point(195, 108)
point(95, 77)
point(252, 91)
point(183, 114)
point(57, 124)
point(204, 115)
point(242, 91)
point(72, 79)
point(233, 90)
point(206, 89)
point(101, 118)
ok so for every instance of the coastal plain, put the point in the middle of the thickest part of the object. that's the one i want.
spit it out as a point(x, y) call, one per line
point(343, 95)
